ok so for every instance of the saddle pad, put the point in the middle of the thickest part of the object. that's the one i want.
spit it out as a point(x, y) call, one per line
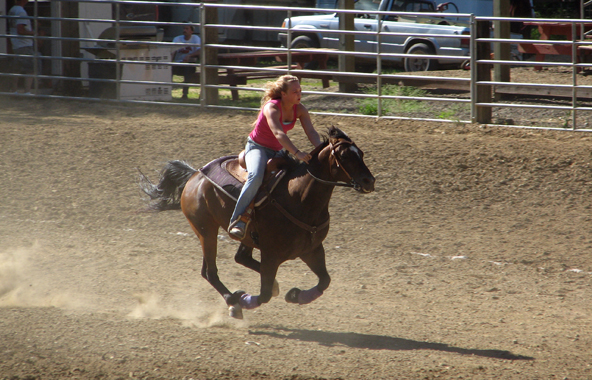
point(218, 176)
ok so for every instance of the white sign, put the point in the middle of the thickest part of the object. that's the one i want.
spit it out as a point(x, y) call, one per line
point(154, 69)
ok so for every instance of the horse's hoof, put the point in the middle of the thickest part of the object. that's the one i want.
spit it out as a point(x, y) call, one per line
point(233, 298)
point(235, 311)
point(275, 290)
point(292, 295)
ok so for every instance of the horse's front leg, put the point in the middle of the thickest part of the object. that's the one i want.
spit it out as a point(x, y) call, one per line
point(316, 262)
point(268, 271)
point(244, 256)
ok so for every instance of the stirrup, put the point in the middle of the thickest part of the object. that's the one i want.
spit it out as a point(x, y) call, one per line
point(237, 231)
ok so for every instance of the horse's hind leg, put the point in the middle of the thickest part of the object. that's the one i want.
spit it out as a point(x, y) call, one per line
point(209, 269)
point(208, 236)
point(198, 200)
point(244, 256)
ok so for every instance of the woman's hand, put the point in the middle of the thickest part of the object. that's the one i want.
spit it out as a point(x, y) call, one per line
point(303, 156)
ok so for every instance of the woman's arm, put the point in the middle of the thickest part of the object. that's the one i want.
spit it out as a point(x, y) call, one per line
point(273, 115)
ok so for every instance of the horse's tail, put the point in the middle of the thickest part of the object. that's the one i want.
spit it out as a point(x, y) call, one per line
point(167, 194)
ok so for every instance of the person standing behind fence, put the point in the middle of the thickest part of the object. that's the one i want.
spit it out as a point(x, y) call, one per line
point(186, 54)
point(22, 46)
point(521, 9)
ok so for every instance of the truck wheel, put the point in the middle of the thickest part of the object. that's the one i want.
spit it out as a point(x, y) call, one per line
point(420, 64)
point(305, 42)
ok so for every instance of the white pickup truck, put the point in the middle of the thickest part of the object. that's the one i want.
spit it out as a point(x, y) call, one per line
point(416, 37)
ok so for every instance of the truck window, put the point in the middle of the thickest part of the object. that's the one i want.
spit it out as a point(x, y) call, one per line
point(366, 5)
point(421, 7)
point(410, 6)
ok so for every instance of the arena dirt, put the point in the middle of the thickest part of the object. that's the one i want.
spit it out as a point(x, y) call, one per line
point(470, 261)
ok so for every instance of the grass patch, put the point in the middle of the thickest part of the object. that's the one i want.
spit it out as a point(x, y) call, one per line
point(247, 99)
point(370, 106)
point(452, 112)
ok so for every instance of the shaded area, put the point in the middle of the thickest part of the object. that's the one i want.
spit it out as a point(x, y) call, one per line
point(377, 342)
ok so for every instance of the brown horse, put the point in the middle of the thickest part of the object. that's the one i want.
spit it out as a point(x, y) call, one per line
point(292, 223)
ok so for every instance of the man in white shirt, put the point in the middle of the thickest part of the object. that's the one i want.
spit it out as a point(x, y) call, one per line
point(20, 27)
point(186, 54)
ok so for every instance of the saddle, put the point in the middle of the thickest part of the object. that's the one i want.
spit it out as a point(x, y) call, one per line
point(227, 174)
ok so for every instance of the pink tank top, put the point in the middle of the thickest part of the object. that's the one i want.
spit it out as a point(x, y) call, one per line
point(263, 135)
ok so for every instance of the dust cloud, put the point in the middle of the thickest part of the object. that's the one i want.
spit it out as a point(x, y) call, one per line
point(191, 313)
point(35, 277)
point(26, 282)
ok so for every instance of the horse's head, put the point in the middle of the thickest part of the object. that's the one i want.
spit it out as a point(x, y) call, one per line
point(346, 162)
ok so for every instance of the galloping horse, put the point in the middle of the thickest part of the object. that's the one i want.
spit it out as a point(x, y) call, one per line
point(292, 223)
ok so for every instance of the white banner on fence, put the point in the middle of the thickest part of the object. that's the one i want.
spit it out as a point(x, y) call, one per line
point(156, 71)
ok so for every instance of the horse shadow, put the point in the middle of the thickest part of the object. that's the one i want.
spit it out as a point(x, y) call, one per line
point(376, 342)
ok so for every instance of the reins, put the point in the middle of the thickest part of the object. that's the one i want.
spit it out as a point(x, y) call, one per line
point(353, 184)
point(334, 183)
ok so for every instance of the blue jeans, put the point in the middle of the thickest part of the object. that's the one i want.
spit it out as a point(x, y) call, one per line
point(256, 157)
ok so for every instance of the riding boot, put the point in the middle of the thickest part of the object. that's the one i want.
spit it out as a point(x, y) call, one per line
point(238, 228)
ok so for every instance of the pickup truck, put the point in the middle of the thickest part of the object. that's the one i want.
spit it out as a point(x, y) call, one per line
point(316, 32)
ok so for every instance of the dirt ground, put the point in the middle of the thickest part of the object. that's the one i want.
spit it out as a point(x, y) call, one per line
point(471, 260)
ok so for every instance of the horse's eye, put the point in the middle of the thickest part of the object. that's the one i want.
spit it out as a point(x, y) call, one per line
point(355, 150)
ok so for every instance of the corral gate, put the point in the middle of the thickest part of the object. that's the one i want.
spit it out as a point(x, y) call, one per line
point(64, 38)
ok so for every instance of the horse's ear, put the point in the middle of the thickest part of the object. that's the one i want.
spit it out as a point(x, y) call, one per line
point(332, 132)
point(336, 133)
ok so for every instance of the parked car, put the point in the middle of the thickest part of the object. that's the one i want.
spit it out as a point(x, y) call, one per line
point(418, 38)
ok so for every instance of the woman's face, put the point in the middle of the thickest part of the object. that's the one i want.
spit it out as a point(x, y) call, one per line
point(293, 94)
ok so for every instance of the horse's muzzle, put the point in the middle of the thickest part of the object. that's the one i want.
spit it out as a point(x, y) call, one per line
point(365, 185)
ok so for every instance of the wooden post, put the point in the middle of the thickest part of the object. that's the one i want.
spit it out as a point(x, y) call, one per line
point(483, 73)
point(501, 51)
point(56, 47)
point(210, 76)
point(346, 63)
point(71, 49)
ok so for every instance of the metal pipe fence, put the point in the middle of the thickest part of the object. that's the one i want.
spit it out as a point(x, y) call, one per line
point(577, 106)
point(125, 64)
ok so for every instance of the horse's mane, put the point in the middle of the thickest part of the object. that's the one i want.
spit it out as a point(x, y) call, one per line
point(290, 163)
point(332, 133)
point(295, 165)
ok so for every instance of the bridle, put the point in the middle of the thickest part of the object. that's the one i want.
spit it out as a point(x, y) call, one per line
point(313, 229)
point(353, 184)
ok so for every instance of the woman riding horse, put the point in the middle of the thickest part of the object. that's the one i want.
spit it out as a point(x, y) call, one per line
point(280, 108)
point(292, 221)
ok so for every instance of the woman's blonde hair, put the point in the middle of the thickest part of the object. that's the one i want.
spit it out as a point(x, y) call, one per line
point(273, 89)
